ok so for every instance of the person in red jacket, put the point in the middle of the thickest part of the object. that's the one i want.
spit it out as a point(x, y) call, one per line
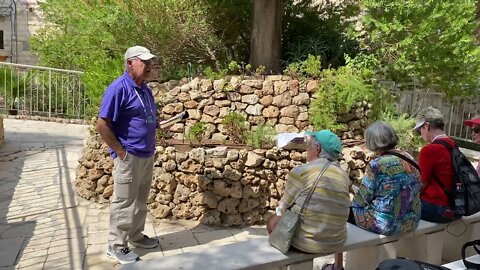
point(437, 172)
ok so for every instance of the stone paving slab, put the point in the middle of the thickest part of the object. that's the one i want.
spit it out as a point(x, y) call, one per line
point(9, 250)
point(47, 227)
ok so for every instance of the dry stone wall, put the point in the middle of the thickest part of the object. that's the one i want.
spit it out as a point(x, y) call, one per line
point(275, 100)
point(221, 185)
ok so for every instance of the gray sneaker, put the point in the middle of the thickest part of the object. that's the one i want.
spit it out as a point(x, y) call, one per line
point(145, 242)
point(123, 256)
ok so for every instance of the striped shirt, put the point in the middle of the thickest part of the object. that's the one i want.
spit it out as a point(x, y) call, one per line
point(323, 226)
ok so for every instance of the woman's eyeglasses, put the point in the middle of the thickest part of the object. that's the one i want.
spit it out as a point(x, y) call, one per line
point(476, 130)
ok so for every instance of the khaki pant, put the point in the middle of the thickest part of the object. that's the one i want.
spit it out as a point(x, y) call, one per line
point(128, 211)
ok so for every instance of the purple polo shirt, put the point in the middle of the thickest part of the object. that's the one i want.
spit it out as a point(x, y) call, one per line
point(132, 111)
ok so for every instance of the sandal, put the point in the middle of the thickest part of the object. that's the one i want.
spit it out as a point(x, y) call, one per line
point(330, 266)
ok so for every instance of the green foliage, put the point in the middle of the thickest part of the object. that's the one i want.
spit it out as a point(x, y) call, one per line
point(403, 125)
point(196, 132)
point(338, 91)
point(236, 127)
point(430, 41)
point(318, 28)
point(13, 83)
point(92, 37)
point(261, 137)
point(311, 67)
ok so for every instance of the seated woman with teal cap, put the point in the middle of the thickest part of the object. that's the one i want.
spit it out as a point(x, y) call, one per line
point(322, 226)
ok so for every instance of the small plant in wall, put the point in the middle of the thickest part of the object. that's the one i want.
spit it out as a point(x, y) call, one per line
point(196, 132)
point(236, 127)
point(262, 137)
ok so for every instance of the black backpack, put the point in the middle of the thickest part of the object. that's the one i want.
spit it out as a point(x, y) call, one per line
point(407, 264)
point(465, 198)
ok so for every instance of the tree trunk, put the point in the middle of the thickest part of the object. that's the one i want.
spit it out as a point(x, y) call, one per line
point(266, 41)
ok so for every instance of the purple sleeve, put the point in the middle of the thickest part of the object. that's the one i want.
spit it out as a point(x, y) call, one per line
point(111, 103)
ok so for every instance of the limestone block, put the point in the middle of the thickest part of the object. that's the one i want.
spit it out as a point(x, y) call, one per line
point(211, 217)
point(257, 84)
point(212, 110)
point(160, 210)
point(312, 86)
point(266, 100)
point(219, 152)
point(280, 87)
point(197, 155)
point(223, 103)
point(245, 89)
point(218, 85)
point(282, 100)
point(228, 206)
point(219, 96)
point(232, 220)
point(250, 99)
point(268, 87)
point(301, 99)
point(231, 173)
point(253, 217)
point(253, 160)
point(254, 109)
point(206, 85)
point(271, 112)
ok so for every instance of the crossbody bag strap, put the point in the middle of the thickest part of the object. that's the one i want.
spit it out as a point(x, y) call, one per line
point(305, 203)
point(407, 159)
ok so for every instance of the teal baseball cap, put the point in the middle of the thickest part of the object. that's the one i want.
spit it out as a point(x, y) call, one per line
point(329, 141)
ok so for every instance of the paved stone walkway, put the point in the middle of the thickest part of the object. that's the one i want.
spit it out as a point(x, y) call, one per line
point(44, 225)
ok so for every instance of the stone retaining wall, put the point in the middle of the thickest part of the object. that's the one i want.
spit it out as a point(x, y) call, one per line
point(276, 100)
point(216, 186)
point(221, 185)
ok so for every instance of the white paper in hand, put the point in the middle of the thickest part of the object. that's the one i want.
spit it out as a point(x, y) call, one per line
point(285, 138)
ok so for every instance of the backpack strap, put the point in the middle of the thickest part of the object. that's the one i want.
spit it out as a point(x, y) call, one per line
point(450, 149)
point(476, 246)
point(407, 159)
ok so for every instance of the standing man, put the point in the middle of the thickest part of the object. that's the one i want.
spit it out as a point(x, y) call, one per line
point(127, 123)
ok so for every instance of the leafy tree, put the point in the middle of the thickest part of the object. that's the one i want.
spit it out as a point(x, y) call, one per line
point(319, 28)
point(432, 41)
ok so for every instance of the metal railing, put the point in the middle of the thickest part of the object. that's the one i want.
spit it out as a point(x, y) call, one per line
point(42, 91)
point(455, 111)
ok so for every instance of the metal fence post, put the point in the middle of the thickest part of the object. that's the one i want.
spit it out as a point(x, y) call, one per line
point(49, 94)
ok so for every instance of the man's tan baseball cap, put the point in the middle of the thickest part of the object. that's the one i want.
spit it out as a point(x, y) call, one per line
point(139, 52)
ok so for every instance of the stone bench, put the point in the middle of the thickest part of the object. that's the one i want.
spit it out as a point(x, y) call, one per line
point(365, 251)
point(458, 265)
point(459, 232)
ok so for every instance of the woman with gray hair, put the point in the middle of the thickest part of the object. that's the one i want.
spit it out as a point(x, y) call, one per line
point(387, 201)
point(323, 224)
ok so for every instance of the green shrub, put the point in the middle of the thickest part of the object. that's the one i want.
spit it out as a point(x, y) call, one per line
point(403, 125)
point(196, 132)
point(262, 137)
point(236, 127)
point(311, 67)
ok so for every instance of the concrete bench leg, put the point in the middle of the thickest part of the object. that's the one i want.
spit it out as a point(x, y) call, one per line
point(456, 234)
point(427, 247)
point(369, 257)
point(307, 265)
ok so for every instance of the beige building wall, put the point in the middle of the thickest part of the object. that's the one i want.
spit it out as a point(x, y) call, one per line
point(28, 19)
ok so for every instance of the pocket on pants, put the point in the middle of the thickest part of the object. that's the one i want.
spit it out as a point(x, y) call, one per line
point(122, 187)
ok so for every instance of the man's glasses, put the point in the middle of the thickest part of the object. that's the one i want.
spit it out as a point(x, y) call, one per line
point(476, 130)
